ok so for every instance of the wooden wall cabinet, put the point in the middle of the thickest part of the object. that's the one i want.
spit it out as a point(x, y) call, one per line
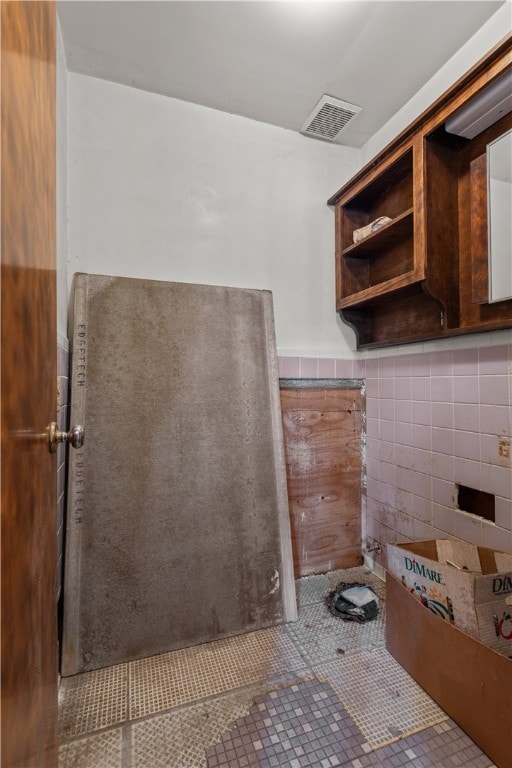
point(424, 274)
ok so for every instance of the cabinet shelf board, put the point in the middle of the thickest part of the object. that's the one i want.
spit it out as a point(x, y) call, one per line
point(390, 234)
point(388, 288)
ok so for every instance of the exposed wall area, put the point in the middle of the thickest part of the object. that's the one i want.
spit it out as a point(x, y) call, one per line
point(166, 190)
point(434, 419)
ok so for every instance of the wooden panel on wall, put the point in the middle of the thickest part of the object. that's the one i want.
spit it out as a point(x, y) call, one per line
point(322, 436)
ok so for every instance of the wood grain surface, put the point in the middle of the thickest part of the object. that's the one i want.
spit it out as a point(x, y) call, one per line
point(29, 387)
point(322, 435)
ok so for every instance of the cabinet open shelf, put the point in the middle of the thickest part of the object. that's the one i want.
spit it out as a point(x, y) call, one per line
point(424, 275)
point(406, 315)
point(396, 231)
point(387, 288)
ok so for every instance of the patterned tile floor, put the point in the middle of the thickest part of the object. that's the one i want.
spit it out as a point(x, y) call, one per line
point(319, 692)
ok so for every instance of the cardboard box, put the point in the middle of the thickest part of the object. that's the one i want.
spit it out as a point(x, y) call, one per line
point(470, 682)
point(468, 586)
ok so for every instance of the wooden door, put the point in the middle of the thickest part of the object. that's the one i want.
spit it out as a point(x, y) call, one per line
point(29, 386)
point(322, 438)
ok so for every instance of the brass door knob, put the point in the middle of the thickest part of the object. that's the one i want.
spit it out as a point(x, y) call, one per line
point(75, 436)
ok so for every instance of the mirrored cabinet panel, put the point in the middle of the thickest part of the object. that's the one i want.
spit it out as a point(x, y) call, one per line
point(499, 216)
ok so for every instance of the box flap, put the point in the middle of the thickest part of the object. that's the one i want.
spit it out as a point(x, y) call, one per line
point(459, 554)
point(503, 562)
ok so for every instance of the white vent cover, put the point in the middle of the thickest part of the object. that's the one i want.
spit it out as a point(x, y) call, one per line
point(329, 118)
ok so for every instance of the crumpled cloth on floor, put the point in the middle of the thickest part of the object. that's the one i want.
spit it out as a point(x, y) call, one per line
point(353, 602)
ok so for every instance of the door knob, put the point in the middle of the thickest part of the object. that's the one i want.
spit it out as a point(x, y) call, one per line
point(75, 436)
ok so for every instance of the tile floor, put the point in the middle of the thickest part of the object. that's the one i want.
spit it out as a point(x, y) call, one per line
point(319, 692)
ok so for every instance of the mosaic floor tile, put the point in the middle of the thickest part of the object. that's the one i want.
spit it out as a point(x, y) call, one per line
point(319, 636)
point(430, 748)
point(164, 681)
point(93, 700)
point(302, 725)
point(385, 702)
point(186, 732)
point(278, 697)
point(103, 750)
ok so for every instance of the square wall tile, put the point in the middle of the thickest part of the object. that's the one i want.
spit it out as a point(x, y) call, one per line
point(372, 368)
point(443, 466)
point(467, 445)
point(445, 493)
point(441, 389)
point(444, 518)
point(404, 501)
point(421, 436)
point(495, 419)
point(496, 449)
point(386, 367)
point(441, 363)
point(387, 430)
point(494, 390)
point(372, 427)
point(359, 368)
point(442, 415)
point(422, 509)
point(387, 473)
point(404, 524)
point(503, 513)
point(494, 359)
point(466, 417)
point(421, 412)
point(420, 364)
point(402, 365)
point(308, 367)
point(465, 389)
point(442, 441)
point(373, 488)
point(387, 451)
point(372, 448)
point(388, 494)
point(496, 538)
point(289, 367)
point(403, 479)
point(372, 468)
point(326, 368)
point(344, 369)
point(372, 388)
point(372, 408)
point(387, 388)
point(403, 388)
point(468, 473)
point(496, 480)
point(386, 409)
point(465, 362)
point(422, 461)
point(404, 456)
point(420, 388)
point(422, 484)
point(423, 531)
point(468, 528)
point(403, 409)
point(402, 433)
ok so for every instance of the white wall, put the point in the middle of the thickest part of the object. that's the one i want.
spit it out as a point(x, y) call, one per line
point(167, 190)
point(489, 35)
point(62, 193)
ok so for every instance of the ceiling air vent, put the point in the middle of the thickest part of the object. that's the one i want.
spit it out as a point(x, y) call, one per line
point(329, 118)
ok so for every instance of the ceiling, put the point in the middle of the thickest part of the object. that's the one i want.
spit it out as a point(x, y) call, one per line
point(272, 61)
